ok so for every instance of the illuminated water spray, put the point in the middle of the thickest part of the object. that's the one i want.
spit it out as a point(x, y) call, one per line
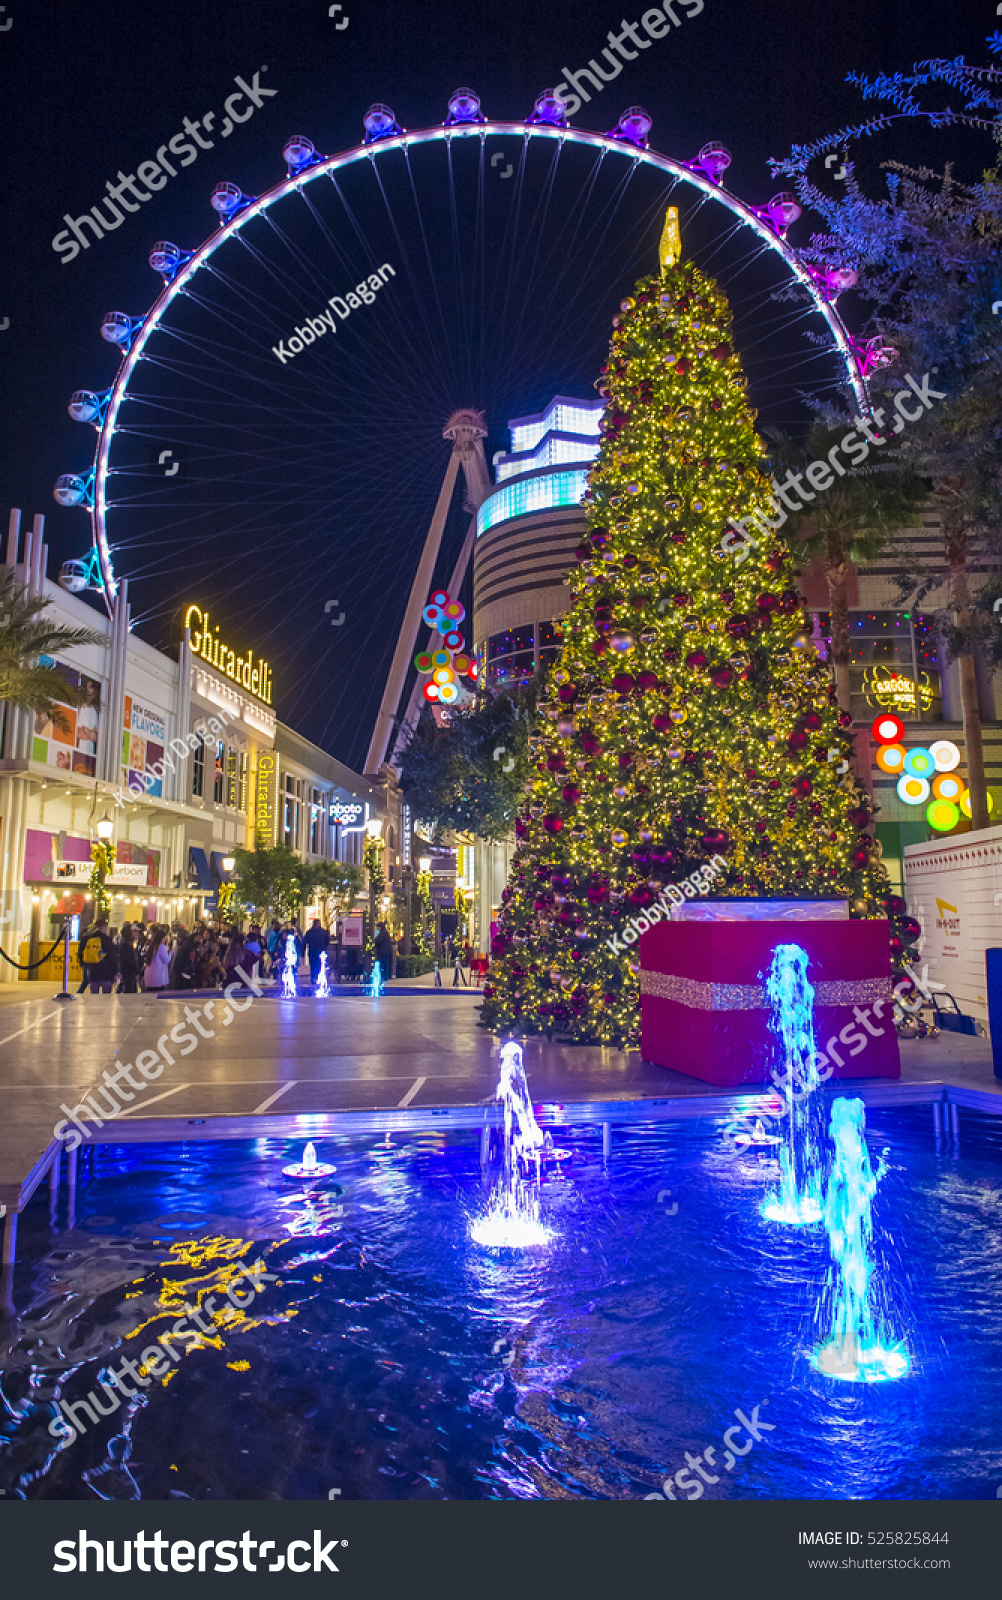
point(322, 988)
point(798, 1199)
point(289, 968)
point(309, 1166)
point(857, 1346)
point(375, 988)
point(513, 1214)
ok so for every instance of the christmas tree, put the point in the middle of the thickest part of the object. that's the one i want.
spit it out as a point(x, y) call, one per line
point(689, 719)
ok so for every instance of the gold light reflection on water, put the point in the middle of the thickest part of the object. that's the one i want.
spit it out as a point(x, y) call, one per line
point(218, 1264)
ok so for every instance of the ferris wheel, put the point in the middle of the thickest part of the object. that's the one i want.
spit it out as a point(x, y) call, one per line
point(283, 396)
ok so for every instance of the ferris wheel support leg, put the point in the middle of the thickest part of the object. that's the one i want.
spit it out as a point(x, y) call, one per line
point(409, 719)
point(412, 621)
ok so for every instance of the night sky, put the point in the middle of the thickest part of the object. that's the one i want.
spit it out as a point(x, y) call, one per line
point(312, 482)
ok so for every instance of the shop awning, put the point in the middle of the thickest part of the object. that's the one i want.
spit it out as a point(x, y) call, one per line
point(216, 859)
point(199, 867)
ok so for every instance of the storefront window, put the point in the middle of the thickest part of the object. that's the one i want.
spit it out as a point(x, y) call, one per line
point(316, 822)
point(292, 799)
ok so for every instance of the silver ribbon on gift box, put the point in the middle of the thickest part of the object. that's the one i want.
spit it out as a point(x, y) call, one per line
point(751, 996)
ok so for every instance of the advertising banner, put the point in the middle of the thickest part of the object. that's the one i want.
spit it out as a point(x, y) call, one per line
point(72, 747)
point(144, 734)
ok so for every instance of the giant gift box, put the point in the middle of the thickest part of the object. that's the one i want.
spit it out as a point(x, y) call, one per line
point(702, 992)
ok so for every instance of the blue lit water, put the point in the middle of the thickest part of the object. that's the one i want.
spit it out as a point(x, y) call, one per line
point(395, 1359)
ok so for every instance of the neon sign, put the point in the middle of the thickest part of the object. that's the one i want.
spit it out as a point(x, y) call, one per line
point(240, 669)
point(347, 813)
point(892, 691)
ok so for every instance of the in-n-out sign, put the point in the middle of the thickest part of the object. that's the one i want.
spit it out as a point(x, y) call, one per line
point(346, 813)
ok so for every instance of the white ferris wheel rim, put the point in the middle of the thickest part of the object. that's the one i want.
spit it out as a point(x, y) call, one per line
point(680, 170)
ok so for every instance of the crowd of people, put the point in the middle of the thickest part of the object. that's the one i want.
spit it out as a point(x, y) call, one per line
point(157, 956)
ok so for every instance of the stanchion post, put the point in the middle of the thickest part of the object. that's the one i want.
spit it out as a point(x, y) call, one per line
point(65, 992)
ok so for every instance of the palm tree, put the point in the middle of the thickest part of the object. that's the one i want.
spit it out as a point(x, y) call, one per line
point(849, 524)
point(25, 635)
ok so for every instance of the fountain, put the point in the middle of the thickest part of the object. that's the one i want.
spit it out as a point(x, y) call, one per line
point(289, 968)
point(309, 1167)
point(322, 988)
point(375, 988)
point(798, 1199)
point(513, 1214)
point(856, 1346)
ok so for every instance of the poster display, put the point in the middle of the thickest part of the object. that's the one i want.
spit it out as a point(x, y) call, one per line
point(73, 747)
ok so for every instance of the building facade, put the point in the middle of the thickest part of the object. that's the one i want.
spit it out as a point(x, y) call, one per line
point(186, 757)
point(527, 530)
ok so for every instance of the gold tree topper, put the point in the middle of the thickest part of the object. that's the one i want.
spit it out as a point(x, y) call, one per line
point(670, 248)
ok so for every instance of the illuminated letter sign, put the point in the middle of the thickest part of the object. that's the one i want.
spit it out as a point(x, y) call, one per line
point(264, 797)
point(253, 676)
point(348, 813)
point(893, 691)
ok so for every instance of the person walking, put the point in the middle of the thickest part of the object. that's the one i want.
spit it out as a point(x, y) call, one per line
point(384, 951)
point(237, 956)
point(275, 948)
point(182, 971)
point(255, 949)
point(100, 958)
point(316, 942)
point(157, 974)
point(128, 957)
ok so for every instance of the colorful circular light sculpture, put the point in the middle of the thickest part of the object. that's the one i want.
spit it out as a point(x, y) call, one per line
point(891, 758)
point(920, 762)
point(942, 815)
point(947, 786)
point(965, 803)
point(945, 755)
point(887, 729)
point(443, 613)
point(913, 790)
